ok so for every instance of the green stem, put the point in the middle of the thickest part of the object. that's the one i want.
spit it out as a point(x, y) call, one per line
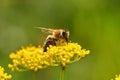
point(62, 74)
point(34, 76)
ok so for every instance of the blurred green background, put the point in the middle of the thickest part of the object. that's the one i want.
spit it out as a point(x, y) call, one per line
point(94, 24)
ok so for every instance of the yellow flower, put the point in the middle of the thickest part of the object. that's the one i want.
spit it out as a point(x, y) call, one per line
point(34, 58)
point(30, 57)
point(63, 55)
point(3, 75)
point(117, 77)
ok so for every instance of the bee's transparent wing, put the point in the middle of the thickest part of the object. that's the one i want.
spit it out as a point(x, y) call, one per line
point(48, 30)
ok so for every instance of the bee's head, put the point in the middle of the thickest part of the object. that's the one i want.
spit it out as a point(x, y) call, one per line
point(65, 34)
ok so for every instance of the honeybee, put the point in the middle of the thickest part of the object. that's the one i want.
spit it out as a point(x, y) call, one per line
point(57, 37)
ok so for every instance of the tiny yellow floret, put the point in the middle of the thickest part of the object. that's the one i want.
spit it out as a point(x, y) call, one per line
point(117, 77)
point(3, 75)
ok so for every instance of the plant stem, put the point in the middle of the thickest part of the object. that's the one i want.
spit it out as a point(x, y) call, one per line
point(34, 76)
point(62, 74)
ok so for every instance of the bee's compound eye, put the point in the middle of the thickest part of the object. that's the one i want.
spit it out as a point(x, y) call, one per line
point(63, 33)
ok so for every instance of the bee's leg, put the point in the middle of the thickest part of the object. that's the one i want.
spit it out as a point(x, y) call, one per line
point(45, 47)
point(49, 41)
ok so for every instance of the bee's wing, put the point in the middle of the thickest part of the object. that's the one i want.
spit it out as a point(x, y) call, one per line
point(49, 30)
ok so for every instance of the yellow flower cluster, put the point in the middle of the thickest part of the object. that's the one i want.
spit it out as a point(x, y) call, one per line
point(3, 75)
point(117, 77)
point(34, 58)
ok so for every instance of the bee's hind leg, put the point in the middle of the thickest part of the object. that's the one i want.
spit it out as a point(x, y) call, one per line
point(49, 41)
